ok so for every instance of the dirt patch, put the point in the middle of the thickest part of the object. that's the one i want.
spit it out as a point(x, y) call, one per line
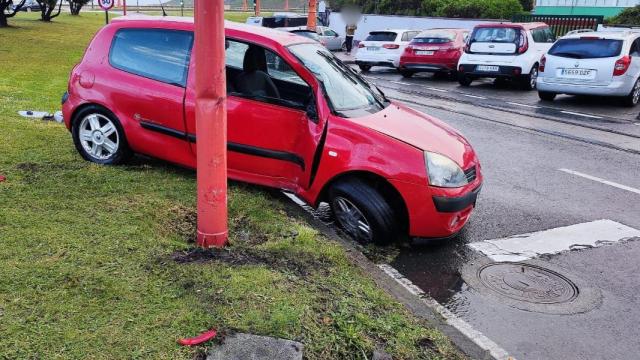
point(427, 344)
point(295, 263)
point(183, 222)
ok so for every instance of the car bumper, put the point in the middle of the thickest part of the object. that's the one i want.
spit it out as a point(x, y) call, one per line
point(615, 88)
point(504, 71)
point(428, 67)
point(438, 212)
point(377, 60)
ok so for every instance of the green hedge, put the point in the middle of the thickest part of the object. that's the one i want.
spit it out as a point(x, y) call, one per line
point(474, 9)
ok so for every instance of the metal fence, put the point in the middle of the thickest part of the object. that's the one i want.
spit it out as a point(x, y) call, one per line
point(562, 24)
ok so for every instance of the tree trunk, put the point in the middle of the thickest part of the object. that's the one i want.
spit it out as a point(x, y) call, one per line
point(75, 7)
point(3, 19)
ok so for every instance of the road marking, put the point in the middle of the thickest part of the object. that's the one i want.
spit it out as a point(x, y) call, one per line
point(474, 96)
point(467, 330)
point(552, 241)
point(603, 181)
point(400, 82)
point(524, 105)
point(436, 89)
point(580, 114)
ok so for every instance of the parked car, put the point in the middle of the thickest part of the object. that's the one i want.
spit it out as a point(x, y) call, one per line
point(383, 48)
point(302, 31)
point(594, 63)
point(434, 50)
point(28, 6)
point(330, 39)
point(505, 51)
point(306, 123)
point(280, 20)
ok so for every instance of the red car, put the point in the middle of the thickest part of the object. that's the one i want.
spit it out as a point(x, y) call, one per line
point(298, 120)
point(435, 50)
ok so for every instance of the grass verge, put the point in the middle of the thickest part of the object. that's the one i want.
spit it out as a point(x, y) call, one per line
point(95, 262)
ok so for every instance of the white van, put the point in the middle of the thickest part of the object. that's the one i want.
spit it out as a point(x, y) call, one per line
point(505, 51)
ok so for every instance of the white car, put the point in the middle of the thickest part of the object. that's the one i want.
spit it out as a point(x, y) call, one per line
point(505, 51)
point(383, 48)
point(330, 39)
point(593, 63)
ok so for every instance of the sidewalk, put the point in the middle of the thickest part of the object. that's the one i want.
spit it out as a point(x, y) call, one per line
point(347, 59)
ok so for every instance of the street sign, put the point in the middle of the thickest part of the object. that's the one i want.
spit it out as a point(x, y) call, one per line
point(106, 4)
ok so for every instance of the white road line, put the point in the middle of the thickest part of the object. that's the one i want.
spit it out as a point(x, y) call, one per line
point(603, 181)
point(524, 105)
point(436, 89)
point(474, 335)
point(473, 96)
point(583, 115)
point(400, 82)
point(552, 241)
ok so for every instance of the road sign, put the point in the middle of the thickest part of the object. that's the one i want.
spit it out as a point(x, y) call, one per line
point(106, 4)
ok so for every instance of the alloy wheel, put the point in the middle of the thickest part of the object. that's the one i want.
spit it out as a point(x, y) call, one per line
point(352, 220)
point(98, 136)
point(636, 92)
point(533, 78)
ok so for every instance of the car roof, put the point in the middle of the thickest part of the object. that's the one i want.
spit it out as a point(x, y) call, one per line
point(618, 35)
point(284, 38)
point(526, 26)
point(391, 30)
point(443, 29)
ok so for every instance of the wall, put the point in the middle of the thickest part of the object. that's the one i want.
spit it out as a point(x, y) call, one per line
point(583, 7)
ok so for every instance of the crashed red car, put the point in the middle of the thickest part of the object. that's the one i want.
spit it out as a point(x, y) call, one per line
point(298, 119)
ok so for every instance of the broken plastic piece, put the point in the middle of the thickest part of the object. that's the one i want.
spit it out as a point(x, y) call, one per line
point(2, 178)
point(202, 338)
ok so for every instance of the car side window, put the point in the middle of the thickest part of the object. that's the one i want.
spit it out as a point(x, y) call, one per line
point(157, 54)
point(277, 68)
point(538, 35)
point(551, 37)
point(635, 48)
point(405, 36)
point(234, 55)
point(330, 33)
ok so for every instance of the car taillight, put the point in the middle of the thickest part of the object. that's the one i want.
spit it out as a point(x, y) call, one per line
point(543, 62)
point(622, 65)
point(360, 46)
point(391, 46)
point(408, 49)
point(523, 46)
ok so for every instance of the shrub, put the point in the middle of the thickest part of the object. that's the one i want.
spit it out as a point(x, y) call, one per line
point(628, 16)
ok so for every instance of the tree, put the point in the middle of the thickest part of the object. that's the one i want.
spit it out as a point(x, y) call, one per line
point(628, 16)
point(47, 7)
point(7, 11)
point(76, 5)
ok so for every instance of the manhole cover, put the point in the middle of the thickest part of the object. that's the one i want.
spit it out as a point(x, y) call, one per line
point(530, 283)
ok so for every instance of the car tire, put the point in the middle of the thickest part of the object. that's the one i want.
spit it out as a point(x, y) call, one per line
point(528, 82)
point(633, 98)
point(357, 206)
point(406, 73)
point(343, 47)
point(464, 80)
point(364, 68)
point(546, 96)
point(99, 136)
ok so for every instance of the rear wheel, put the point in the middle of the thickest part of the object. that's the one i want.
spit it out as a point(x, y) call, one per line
point(546, 96)
point(363, 213)
point(634, 96)
point(464, 80)
point(528, 82)
point(99, 137)
point(406, 73)
point(364, 68)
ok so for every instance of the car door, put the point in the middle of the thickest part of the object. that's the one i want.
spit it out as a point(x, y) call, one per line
point(334, 42)
point(155, 61)
point(270, 140)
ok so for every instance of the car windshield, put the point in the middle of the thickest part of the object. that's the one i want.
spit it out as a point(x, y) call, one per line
point(434, 37)
point(381, 36)
point(348, 93)
point(586, 48)
point(308, 34)
point(495, 35)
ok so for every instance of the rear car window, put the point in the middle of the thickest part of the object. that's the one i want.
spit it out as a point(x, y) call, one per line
point(161, 55)
point(434, 37)
point(495, 35)
point(381, 36)
point(586, 48)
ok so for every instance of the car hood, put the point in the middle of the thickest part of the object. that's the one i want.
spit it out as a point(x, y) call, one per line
point(421, 131)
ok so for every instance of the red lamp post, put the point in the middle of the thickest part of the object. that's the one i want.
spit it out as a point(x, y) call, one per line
point(257, 5)
point(312, 16)
point(124, 7)
point(286, 5)
point(211, 123)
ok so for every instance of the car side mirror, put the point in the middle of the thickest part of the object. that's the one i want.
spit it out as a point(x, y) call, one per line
point(335, 35)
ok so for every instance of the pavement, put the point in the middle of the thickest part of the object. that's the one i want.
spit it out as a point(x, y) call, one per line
point(547, 266)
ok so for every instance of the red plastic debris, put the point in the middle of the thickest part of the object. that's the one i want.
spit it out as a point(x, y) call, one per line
point(202, 338)
point(2, 178)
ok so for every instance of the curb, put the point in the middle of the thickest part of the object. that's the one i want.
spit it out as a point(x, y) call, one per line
point(418, 303)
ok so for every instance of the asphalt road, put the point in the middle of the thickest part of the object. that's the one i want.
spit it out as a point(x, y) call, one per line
point(526, 191)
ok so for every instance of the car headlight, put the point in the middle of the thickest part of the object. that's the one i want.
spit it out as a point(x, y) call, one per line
point(444, 172)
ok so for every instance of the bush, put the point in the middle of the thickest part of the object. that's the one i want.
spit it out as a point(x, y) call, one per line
point(487, 9)
point(628, 16)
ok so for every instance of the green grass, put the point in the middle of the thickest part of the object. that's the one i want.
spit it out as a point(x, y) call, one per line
point(95, 262)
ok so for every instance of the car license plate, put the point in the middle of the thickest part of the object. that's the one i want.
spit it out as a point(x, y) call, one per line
point(578, 73)
point(490, 68)
point(372, 48)
point(424, 52)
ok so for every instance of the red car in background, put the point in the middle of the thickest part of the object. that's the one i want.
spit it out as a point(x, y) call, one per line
point(434, 50)
point(298, 120)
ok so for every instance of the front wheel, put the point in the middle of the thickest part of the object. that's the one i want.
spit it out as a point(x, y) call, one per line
point(634, 96)
point(528, 82)
point(364, 68)
point(406, 73)
point(363, 213)
point(464, 80)
point(99, 137)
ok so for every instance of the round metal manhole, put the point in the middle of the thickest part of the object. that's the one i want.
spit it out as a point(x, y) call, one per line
point(529, 283)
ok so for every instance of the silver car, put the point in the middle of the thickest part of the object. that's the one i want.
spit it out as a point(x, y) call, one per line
point(330, 39)
point(592, 63)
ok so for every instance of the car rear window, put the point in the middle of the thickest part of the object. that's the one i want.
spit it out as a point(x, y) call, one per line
point(157, 54)
point(381, 36)
point(434, 37)
point(495, 35)
point(586, 48)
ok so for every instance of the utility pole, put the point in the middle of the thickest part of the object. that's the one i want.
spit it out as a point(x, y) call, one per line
point(312, 15)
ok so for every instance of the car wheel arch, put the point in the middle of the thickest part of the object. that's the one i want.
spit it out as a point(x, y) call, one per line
point(100, 107)
point(376, 181)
